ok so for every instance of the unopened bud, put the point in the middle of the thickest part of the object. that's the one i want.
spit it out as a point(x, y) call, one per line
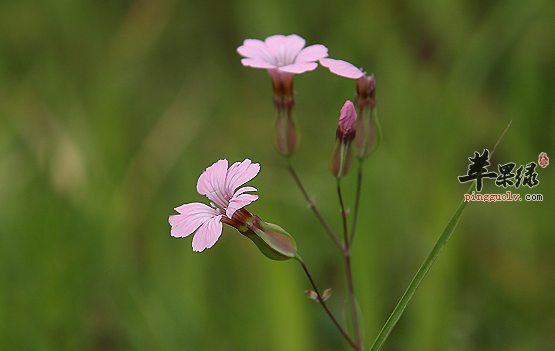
point(347, 120)
point(366, 91)
point(368, 131)
point(272, 240)
point(340, 160)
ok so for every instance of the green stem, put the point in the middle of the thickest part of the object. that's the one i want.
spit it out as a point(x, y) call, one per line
point(324, 305)
point(343, 214)
point(312, 205)
point(348, 269)
point(352, 301)
point(357, 202)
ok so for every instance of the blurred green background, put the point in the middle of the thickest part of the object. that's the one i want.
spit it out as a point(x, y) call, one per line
point(110, 110)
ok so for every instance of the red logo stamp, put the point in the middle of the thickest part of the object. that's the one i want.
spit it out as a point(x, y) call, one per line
point(543, 160)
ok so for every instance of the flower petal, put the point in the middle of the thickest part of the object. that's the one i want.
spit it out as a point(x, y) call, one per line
point(298, 68)
point(239, 202)
point(211, 183)
point(257, 63)
point(312, 53)
point(342, 68)
point(244, 190)
point(208, 233)
point(240, 173)
point(190, 218)
point(253, 48)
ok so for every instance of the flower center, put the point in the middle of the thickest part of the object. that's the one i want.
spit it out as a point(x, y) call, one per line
point(284, 58)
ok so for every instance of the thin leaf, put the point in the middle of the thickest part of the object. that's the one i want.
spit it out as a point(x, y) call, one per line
point(426, 265)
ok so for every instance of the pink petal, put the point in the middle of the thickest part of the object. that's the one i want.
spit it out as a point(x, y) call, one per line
point(239, 202)
point(298, 68)
point(211, 183)
point(208, 233)
point(253, 48)
point(342, 68)
point(240, 173)
point(257, 63)
point(293, 41)
point(312, 53)
point(256, 54)
point(190, 218)
point(244, 190)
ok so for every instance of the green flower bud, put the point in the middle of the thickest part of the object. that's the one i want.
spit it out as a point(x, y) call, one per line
point(272, 240)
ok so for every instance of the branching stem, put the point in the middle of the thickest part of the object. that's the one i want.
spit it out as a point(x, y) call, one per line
point(325, 306)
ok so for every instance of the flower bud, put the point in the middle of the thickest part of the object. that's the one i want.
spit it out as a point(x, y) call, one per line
point(366, 91)
point(347, 120)
point(272, 240)
point(368, 132)
point(340, 160)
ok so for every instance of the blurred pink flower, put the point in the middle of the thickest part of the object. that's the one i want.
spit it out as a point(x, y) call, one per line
point(342, 68)
point(218, 184)
point(347, 118)
point(284, 53)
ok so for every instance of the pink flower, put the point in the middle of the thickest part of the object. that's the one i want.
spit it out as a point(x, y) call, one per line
point(218, 184)
point(284, 53)
point(342, 68)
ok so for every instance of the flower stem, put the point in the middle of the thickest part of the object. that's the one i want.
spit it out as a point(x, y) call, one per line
point(312, 205)
point(357, 202)
point(352, 301)
point(343, 214)
point(325, 306)
point(348, 269)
